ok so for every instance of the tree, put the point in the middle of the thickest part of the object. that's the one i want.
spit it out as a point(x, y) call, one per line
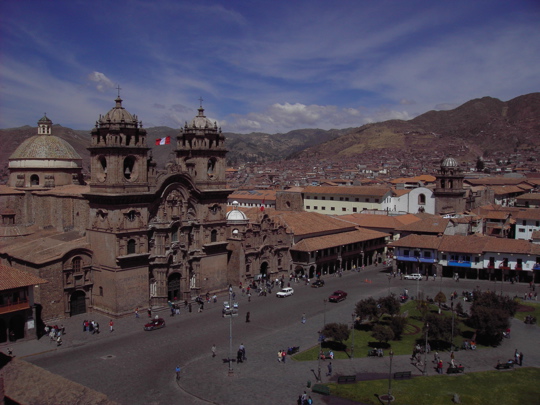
point(489, 324)
point(440, 298)
point(388, 305)
point(366, 308)
point(397, 324)
point(336, 331)
point(440, 327)
point(480, 164)
point(382, 333)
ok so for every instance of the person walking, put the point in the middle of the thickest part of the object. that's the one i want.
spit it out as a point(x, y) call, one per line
point(329, 369)
point(247, 317)
point(111, 325)
point(214, 350)
point(520, 358)
point(137, 312)
point(279, 356)
point(178, 370)
point(304, 318)
point(149, 312)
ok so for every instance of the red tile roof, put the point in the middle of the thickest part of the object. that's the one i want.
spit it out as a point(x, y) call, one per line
point(340, 239)
point(13, 278)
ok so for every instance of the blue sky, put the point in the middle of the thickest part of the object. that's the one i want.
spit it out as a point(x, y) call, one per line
point(263, 66)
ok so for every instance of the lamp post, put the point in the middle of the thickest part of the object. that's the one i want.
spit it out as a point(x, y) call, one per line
point(452, 336)
point(321, 338)
point(231, 306)
point(390, 397)
point(353, 327)
point(425, 351)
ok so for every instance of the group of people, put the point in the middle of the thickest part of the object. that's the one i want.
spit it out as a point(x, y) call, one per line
point(304, 399)
point(55, 333)
point(91, 326)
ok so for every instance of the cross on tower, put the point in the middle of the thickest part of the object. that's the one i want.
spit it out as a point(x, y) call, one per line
point(118, 88)
point(200, 101)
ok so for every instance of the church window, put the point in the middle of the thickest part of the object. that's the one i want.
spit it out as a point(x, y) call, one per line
point(421, 199)
point(131, 215)
point(131, 247)
point(174, 234)
point(76, 264)
point(213, 236)
point(34, 180)
point(129, 167)
point(101, 291)
point(211, 167)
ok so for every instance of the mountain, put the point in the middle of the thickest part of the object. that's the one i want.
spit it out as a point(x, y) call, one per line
point(480, 127)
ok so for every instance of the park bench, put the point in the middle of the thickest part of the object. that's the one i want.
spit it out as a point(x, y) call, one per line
point(321, 389)
point(401, 375)
point(505, 366)
point(455, 370)
point(344, 379)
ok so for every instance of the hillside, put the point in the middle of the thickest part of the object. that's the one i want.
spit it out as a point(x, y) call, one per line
point(480, 127)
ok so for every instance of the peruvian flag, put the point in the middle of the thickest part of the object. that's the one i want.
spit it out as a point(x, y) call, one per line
point(163, 141)
point(262, 205)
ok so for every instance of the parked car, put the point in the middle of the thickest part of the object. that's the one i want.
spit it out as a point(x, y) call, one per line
point(317, 283)
point(337, 296)
point(414, 276)
point(285, 292)
point(155, 324)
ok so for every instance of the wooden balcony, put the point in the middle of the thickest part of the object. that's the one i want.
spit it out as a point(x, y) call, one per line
point(4, 309)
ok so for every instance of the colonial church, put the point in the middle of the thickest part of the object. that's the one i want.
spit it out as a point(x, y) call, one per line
point(134, 236)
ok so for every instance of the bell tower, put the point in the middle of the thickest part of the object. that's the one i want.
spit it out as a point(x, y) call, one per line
point(201, 152)
point(118, 153)
point(118, 218)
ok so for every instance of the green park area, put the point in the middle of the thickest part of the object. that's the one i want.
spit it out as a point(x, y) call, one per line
point(515, 387)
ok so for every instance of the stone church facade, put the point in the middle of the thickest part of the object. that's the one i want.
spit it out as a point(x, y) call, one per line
point(134, 236)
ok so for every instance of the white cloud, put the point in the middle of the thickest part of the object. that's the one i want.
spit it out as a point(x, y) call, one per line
point(103, 83)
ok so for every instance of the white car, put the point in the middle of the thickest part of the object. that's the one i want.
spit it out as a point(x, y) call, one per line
point(285, 292)
point(414, 276)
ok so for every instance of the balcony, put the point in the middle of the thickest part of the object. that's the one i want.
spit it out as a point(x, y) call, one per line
point(21, 305)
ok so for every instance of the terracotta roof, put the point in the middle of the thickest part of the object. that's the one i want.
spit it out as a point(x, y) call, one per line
point(9, 190)
point(531, 213)
point(502, 190)
point(375, 221)
point(344, 238)
point(418, 241)
point(502, 245)
point(473, 244)
point(253, 195)
point(529, 196)
point(496, 181)
point(431, 225)
point(14, 278)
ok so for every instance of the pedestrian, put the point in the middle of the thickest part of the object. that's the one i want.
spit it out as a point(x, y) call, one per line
point(520, 358)
point(242, 348)
point(452, 355)
point(329, 369)
point(96, 327)
point(111, 325)
point(249, 297)
point(247, 316)
point(189, 307)
point(137, 312)
point(283, 355)
point(149, 312)
point(239, 356)
point(177, 370)
point(59, 341)
point(279, 356)
point(440, 367)
point(214, 350)
point(304, 318)
point(309, 400)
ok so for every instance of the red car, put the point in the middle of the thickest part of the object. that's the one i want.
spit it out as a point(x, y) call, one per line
point(337, 296)
point(155, 324)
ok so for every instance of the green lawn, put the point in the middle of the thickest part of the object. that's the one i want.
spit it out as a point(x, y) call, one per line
point(413, 331)
point(514, 387)
point(531, 304)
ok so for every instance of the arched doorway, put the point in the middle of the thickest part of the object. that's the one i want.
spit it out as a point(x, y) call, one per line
point(3, 331)
point(34, 180)
point(173, 287)
point(77, 303)
point(264, 269)
point(16, 328)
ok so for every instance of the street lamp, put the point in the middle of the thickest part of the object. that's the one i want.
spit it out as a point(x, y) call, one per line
point(390, 397)
point(452, 336)
point(231, 306)
point(321, 338)
point(352, 343)
point(425, 351)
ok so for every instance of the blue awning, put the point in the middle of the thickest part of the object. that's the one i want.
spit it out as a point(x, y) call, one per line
point(415, 259)
point(458, 264)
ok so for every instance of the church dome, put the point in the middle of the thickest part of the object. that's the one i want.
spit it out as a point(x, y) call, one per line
point(235, 215)
point(200, 121)
point(118, 115)
point(449, 162)
point(45, 147)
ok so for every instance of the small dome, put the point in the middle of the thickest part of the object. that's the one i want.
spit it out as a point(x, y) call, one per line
point(45, 120)
point(235, 215)
point(45, 147)
point(118, 114)
point(200, 121)
point(449, 162)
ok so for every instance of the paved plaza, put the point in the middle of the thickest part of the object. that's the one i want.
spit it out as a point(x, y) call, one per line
point(131, 366)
